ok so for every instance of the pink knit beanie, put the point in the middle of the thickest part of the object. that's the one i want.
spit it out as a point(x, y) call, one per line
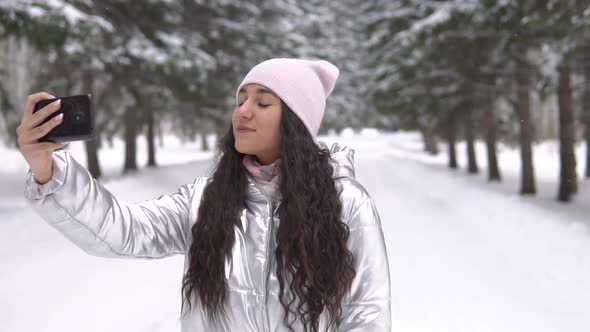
point(303, 85)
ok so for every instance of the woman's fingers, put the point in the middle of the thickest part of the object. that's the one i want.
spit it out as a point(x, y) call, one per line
point(39, 116)
point(28, 133)
point(45, 128)
point(32, 100)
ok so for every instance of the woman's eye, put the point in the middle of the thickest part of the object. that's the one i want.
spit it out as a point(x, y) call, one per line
point(260, 105)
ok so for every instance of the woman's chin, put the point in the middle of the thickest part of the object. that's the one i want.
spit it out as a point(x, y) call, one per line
point(242, 148)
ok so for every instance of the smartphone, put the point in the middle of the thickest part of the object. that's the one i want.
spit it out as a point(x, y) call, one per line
point(78, 119)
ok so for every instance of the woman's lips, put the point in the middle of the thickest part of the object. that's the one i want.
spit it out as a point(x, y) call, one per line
point(245, 130)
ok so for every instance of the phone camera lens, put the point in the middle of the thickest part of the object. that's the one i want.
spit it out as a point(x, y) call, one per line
point(79, 116)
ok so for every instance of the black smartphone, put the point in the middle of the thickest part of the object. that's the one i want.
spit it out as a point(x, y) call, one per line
point(78, 119)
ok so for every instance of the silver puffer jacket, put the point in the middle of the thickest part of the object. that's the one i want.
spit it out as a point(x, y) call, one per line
point(91, 217)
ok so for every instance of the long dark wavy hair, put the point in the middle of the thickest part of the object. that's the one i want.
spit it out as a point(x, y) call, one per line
point(311, 237)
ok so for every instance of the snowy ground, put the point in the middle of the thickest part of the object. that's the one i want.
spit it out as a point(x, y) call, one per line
point(464, 255)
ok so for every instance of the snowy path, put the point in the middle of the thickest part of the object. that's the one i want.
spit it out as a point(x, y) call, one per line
point(462, 258)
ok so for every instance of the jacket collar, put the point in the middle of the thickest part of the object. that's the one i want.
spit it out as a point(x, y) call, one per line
point(343, 163)
point(343, 157)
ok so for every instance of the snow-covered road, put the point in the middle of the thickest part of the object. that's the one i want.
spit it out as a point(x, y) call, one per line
point(463, 257)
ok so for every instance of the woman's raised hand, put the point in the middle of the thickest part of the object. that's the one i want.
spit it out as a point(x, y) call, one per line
point(38, 154)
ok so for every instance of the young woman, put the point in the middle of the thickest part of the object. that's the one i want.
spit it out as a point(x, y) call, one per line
point(280, 238)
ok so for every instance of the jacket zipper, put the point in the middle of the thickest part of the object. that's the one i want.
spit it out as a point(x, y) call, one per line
point(269, 245)
point(268, 260)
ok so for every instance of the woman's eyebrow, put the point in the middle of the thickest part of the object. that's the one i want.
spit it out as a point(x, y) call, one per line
point(259, 91)
point(262, 90)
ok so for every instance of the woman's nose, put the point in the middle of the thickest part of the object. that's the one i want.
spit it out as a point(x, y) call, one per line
point(245, 110)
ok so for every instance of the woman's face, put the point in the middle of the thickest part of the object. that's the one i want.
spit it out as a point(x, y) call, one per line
point(256, 123)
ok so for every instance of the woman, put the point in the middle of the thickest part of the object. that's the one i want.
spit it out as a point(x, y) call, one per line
point(280, 238)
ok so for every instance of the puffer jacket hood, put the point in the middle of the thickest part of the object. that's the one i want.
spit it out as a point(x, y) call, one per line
point(344, 158)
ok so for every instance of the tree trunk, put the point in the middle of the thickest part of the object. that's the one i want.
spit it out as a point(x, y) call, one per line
point(586, 109)
point(91, 146)
point(472, 167)
point(204, 142)
point(151, 138)
point(130, 138)
point(452, 138)
point(523, 104)
point(490, 129)
point(567, 174)
point(92, 158)
point(429, 139)
point(159, 130)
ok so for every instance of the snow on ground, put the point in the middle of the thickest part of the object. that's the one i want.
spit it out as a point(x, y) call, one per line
point(408, 145)
point(464, 255)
